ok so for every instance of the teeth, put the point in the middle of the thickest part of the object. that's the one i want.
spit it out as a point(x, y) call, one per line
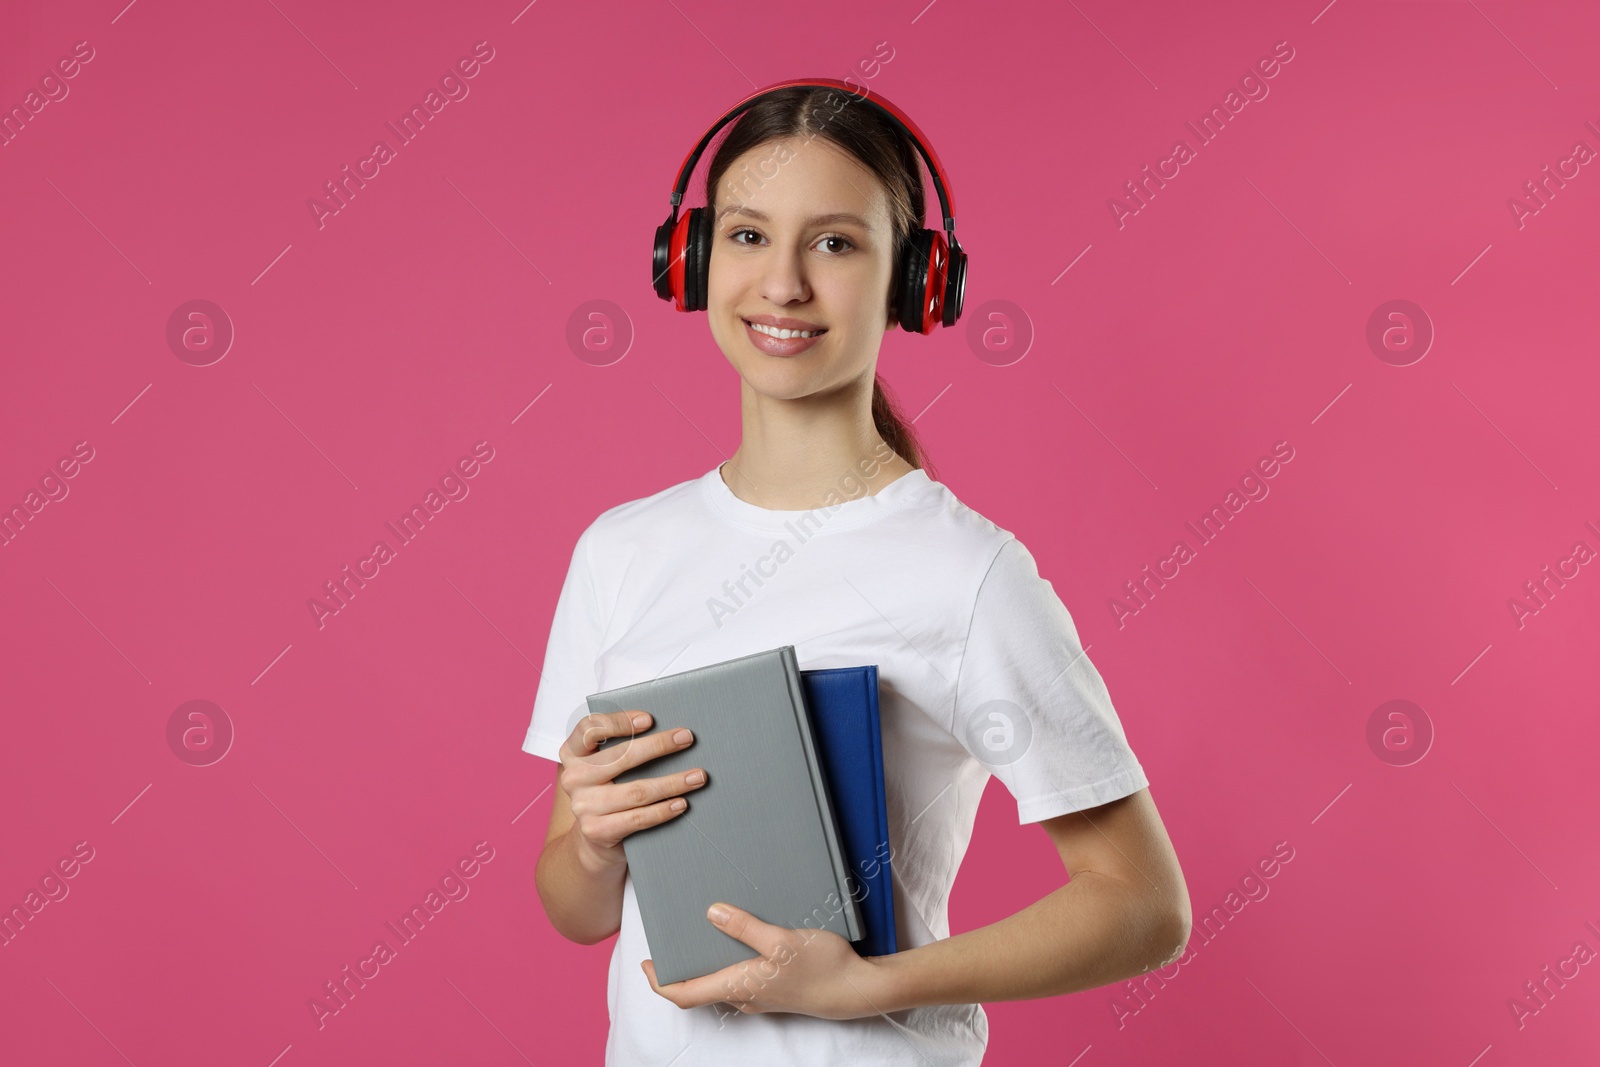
point(773, 331)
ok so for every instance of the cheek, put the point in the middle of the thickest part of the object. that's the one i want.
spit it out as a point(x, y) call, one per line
point(728, 337)
point(725, 272)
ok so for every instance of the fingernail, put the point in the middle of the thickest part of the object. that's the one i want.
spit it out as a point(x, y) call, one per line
point(683, 737)
point(641, 721)
point(718, 913)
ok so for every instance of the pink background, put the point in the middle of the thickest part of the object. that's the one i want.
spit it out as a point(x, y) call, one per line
point(1230, 313)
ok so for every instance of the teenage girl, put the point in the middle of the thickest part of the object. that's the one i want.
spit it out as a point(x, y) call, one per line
point(825, 530)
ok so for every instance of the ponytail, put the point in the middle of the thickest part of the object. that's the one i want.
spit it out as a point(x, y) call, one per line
point(892, 428)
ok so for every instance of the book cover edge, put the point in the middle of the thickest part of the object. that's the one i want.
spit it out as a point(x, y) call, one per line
point(885, 869)
point(830, 825)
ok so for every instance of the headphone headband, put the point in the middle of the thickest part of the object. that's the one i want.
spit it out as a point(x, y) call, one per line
point(894, 114)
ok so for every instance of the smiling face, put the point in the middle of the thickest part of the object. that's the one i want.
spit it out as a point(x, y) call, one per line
point(777, 254)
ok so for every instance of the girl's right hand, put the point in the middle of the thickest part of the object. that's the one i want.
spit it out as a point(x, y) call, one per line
point(604, 812)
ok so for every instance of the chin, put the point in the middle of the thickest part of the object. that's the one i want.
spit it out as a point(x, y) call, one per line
point(786, 381)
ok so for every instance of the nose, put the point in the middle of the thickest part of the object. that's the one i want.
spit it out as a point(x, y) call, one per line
point(783, 278)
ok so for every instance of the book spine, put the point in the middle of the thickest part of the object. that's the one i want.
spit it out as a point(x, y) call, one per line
point(886, 869)
point(830, 825)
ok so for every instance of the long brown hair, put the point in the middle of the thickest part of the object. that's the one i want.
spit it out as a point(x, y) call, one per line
point(807, 112)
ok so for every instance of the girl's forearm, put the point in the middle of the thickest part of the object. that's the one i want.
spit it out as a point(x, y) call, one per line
point(1093, 931)
point(584, 904)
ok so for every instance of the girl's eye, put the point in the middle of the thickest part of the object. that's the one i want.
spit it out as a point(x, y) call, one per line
point(735, 236)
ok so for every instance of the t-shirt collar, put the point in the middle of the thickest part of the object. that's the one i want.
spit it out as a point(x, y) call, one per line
point(847, 514)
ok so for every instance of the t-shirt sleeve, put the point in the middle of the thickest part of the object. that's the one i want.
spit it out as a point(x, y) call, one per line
point(568, 676)
point(1030, 706)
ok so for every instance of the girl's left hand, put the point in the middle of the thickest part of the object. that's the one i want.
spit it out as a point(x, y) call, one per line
point(813, 972)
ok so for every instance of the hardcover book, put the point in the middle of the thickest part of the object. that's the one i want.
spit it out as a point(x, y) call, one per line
point(761, 834)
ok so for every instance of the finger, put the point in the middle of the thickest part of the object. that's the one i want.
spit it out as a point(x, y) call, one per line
point(639, 747)
point(764, 937)
point(616, 797)
point(592, 730)
point(718, 987)
point(615, 825)
point(673, 991)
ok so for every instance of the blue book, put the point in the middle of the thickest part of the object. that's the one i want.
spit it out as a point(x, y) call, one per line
point(842, 704)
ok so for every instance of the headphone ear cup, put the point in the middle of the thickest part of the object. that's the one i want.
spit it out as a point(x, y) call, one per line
point(912, 306)
point(663, 263)
point(691, 258)
point(938, 281)
point(697, 260)
point(955, 286)
point(669, 264)
point(708, 228)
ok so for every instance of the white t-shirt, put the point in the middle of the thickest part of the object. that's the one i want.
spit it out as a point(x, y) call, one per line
point(980, 672)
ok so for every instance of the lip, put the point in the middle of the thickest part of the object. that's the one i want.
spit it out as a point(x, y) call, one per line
point(774, 346)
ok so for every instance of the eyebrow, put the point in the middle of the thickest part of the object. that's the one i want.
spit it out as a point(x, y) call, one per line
point(815, 220)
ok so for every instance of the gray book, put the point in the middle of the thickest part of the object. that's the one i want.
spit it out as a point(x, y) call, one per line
point(761, 834)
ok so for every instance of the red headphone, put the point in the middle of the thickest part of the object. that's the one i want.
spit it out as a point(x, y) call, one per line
point(932, 270)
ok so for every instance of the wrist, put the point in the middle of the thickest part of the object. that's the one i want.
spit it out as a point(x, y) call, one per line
point(595, 862)
point(886, 984)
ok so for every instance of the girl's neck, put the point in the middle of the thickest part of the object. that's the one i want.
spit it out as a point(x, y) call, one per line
point(794, 455)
